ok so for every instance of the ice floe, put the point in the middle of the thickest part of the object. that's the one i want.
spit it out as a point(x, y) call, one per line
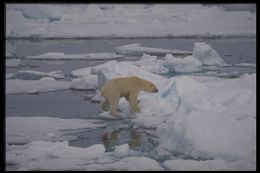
point(137, 50)
point(85, 83)
point(87, 56)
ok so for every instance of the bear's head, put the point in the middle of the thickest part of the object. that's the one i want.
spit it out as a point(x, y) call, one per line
point(150, 87)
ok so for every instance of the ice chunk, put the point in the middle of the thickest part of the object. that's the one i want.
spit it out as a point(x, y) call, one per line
point(206, 55)
point(86, 82)
point(137, 50)
point(152, 64)
point(89, 56)
point(19, 129)
point(18, 86)
point(182, 65)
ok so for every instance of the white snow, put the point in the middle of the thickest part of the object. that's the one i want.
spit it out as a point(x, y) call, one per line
point(206, 55)
point(182, 65)
point(137, 50)
point(12, 62)
point(88, 56)
point(45, 84)
point(127, 20)
point(28, 129)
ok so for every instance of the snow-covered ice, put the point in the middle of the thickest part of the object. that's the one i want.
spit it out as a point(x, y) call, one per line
point(88, 56)
point(137, 50)
point(81, 72)
point(245, 65)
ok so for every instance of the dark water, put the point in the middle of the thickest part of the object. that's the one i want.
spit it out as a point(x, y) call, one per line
point(76, 104)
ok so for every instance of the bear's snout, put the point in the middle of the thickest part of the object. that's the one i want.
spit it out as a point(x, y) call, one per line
point(155, 90)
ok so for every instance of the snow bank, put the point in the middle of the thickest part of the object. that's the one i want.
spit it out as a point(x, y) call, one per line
point(88, 56)
point(182, 65)
point(206, 55)
point(137, 50)
point(27, 129)
point(45, 84)
point(216, 119)
point(86, 82)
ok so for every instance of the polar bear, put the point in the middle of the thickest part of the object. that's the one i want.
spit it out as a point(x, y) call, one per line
point(127, 87)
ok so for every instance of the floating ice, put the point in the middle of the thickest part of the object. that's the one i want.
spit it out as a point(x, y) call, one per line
point(88, 56)
point(137, 50)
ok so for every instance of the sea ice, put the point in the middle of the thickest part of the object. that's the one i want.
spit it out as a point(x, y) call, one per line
point(34, 75)
point(88, 56)
point(137, 50)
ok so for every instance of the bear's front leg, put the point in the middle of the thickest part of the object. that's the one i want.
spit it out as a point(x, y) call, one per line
point(133, 102)
point(113, 102)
